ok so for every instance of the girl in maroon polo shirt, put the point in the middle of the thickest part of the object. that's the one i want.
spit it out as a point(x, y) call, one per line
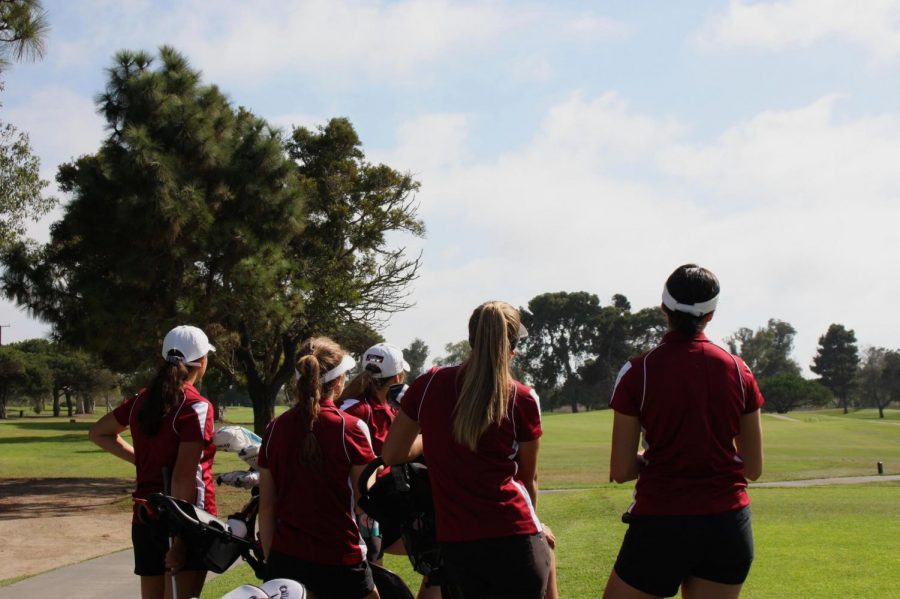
point(366, 397)
point(480, 432)
point(171, 427)
point(310, 460)
point(697, 407)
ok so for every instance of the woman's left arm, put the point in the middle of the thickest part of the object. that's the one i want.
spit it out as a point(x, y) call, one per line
point(266, 515)
point(403, 443)
point(106, 433)
point(527, 460)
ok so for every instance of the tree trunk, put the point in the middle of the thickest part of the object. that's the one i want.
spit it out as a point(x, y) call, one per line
point(574, 404)
point(844, 404)
point(263, 407)
point(69, 405)
point(56, 408)
point(2, 408)
point(880, 411)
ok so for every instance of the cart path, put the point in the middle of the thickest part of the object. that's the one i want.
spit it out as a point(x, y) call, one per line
point(107, 576)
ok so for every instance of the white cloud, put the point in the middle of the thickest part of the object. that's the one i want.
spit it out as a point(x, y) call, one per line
point(793, 209)
point(873, 25)
point(61, 124)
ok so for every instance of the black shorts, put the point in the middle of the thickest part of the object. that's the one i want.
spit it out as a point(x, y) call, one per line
point(659, 552)
point(514, 567)
point(325, 582)
point(151, 543)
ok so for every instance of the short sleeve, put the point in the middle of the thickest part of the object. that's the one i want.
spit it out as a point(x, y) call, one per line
point(356, 407)
point(626, 396)
point(528, 408)
point(412, 399)
point(122, 413)
point(358, 442)
point(753, 400)
point(193, 422)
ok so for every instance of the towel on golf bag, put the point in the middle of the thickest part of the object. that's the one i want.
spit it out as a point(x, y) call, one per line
point(242, 479)
point(235, 438)
point(277, 588)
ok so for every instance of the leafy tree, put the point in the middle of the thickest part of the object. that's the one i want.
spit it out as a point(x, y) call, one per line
point(454, 353)
point(415, 355)
point(890, 377)
point(767, 351)
point(21, 186)
point(194, 211)
point(23, 31)
point(357, 337)
point(879, 378)
point(12, 375)
point(23, 28)
point(836, 361)
point(561, 328)
point(619, 334)
point(646, 328)
point(785, 392)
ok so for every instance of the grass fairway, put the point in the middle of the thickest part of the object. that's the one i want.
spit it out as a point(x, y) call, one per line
point(810, 542)
point(837, 541)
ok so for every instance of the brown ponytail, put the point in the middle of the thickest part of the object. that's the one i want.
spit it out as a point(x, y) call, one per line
point(486, 379)
point(163, 393)
point(316, 356)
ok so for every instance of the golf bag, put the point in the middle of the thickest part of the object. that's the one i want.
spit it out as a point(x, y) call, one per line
point(402, 497)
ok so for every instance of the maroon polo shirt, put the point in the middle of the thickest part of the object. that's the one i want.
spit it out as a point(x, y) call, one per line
point(377, 415)
point(191, 420)
point(476, 494)
point(314, 508)
point(689, 395)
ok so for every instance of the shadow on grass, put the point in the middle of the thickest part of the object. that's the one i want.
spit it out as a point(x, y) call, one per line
point(76, 438)
point(42, 497)
point(50, 426)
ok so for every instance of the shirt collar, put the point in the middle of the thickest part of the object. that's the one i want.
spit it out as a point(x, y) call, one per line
point(679, 336)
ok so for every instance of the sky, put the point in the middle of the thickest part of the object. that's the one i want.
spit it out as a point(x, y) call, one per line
point(560, 146)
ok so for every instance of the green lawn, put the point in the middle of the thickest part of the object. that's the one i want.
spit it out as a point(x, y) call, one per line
point(811, 542)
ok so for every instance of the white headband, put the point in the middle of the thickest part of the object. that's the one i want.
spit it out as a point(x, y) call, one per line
point(347, 363)
point(698, 309)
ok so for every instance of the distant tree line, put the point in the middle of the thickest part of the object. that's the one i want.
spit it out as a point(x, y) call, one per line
point(576, 347)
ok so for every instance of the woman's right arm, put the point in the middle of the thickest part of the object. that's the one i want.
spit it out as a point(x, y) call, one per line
point(749, 445)
point(266, 515)
point(106, 434)
point(624, 460)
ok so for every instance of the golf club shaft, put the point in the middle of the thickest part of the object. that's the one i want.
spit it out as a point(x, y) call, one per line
point(167, 478)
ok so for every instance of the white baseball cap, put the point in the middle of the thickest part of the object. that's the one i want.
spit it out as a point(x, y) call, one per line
point(190, 341)
point(384, 360)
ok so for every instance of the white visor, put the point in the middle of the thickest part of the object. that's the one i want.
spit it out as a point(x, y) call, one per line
point(698, 309)
point(523, 332)
point(347, 363)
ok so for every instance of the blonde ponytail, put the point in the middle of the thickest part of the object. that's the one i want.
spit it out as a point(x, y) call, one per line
point(487, 383)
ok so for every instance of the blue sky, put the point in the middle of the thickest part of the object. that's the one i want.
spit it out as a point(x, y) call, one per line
point(560, 145)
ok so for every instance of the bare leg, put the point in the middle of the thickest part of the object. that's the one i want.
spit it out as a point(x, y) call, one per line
point(552, 590)
point(700, 588)
point(152, 587)
point(616, 588)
